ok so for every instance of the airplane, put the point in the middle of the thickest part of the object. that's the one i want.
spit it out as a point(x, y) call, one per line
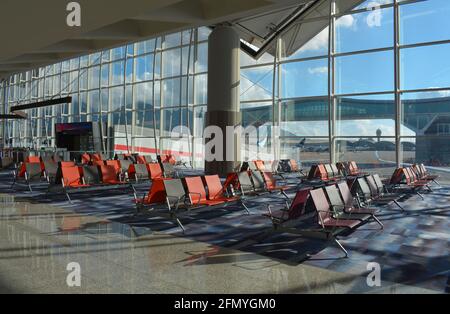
point(300, 144)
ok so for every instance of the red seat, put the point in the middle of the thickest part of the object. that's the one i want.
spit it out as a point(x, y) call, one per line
point(294, 165)
point(348, 201)
point(326, 219)
point(96, 157)
point(232, 179)
point(115, 164)
point(97, 162)
point(109, 175)
point(297, 207)
point(260, 165)
point(168, 158)
point(411, 179)
point(216, 190)
point(425, 174)
point(155, 170)
point(396, 177)
point(71, 177)
point(23, 165)
point(156, 194)
point(271, 182)
point(141, 159)
point(353, 169)
point(22, 170)
point(197, 193)
point(294, 211)
point(33, 159)
point(85, 158)
point(67, 164)
point(322, 171)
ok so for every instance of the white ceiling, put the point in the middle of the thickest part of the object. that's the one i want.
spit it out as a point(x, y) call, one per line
point(35, 33)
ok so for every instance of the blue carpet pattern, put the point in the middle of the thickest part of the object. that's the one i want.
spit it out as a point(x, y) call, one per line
point(413, 248)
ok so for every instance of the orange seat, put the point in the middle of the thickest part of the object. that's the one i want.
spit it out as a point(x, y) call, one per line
point(322, 172)
point(353, 169)
point(260, 165)
point(85, 158)
point(33, 159)
point(141, 159)
point(22, 167)
point(216, 190)
point(232, 179)
point(71, 177)
point(397, 176)
point(97, 163)
point(109, 175)
point(155, 170)
point(156, 194)
point(115, 164)
point(197, 193)
point(271, 182)
point(67, 164)
point(22, 170)
point(96, 157)
point(171, 159)
point(294, 165)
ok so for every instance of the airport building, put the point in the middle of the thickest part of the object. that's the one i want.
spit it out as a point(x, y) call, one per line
point(324, 93)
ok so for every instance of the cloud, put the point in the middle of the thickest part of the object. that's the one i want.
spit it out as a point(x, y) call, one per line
point(318, 70)
point(444, 93)
point(320, 41)
point(357, 128)
point(256, 84)
point(252, 91)
point(428, 95)
point(346, 21)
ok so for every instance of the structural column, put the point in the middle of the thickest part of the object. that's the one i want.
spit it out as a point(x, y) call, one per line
point(223, 96)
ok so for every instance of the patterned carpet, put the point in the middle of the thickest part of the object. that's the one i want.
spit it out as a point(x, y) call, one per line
point(413, 247)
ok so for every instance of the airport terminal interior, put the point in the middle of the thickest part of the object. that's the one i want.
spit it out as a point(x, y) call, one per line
point(201, 146)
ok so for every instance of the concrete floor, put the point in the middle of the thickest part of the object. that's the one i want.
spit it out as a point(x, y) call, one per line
point(38, 241)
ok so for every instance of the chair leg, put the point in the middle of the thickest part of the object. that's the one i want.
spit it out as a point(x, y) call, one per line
point(284, 194)
point(29, 187)
point(68, 197)
point(134, 192)
point(421, 196)
point(341, 246)
point(245, 207)
point(378, 221)
point(398, 204)
point(14, 182)
point(180, 224)
point(436, 182)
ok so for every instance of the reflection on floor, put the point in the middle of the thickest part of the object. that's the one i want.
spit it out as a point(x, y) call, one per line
point(223, 250)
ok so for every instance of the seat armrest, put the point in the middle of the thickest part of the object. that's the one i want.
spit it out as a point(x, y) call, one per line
point(199, 196)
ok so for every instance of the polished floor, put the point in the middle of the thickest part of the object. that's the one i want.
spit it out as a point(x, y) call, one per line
point(225, 252)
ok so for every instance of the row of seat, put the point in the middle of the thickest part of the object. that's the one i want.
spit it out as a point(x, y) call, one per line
point(349, 168)
point(370, 190)
point(144, 159)
point(185, 193)
point(276, 166)
point(208, 190)
point(124, 170)
point(324, 172)
point(415, 178)
point(335, 211)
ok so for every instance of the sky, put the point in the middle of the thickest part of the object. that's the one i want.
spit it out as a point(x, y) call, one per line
point(420, 67)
